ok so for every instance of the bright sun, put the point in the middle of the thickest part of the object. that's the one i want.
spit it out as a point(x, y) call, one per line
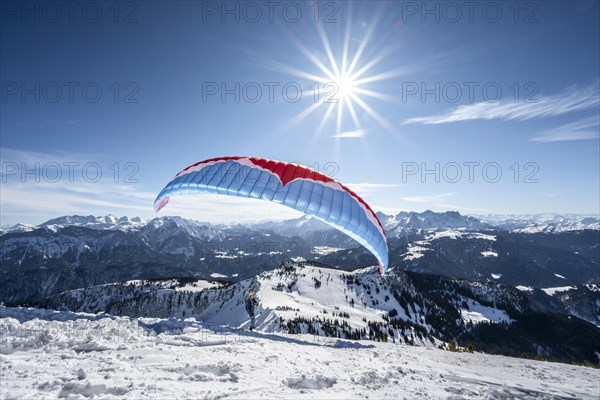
point(345, 87)
point(340, 82)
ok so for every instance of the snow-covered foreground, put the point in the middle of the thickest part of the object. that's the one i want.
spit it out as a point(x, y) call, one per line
point(49, 354)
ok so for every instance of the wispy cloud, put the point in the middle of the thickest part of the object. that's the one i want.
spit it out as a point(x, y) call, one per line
point(571, 99)
point(19, 156)
point(37, 186)
point(350, 134)
point(437, 199)
point(39, 195)
point(583, 129)
point(361, 188)
point(34, 202)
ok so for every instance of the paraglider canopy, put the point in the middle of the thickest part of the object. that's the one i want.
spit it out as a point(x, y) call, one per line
point(292, 185)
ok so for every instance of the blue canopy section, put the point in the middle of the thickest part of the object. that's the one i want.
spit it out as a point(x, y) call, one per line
point(327, 201)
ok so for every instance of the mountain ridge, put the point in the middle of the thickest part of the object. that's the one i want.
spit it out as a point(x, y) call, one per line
point(406, 307)
point(526, 223)
point(94, 250)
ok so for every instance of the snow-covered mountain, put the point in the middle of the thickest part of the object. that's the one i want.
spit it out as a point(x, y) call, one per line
point(401, 307)
point(548, 223)
point(404, 222)
point(107, 222)
point(394, 225)
point(16, 228)
point(92, 222)
point(74, 252)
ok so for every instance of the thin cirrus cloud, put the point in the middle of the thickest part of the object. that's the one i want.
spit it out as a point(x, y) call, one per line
point(35, 197)
point(361, 188)
point(583, 129)
point(350, 134)
point(34, 202)
point(436, 199)
point(37, 186)
point(571, 99)
point(32, 192)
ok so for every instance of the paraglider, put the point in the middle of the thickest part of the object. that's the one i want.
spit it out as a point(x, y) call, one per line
point(292, 185)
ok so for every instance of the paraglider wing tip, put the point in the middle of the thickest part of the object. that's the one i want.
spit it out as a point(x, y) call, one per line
point(161, 204)
point(381, 269)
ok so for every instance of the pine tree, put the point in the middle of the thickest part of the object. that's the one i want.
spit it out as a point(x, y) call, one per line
point(452, 346)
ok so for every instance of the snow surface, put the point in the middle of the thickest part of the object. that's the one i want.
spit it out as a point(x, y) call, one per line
point(593, 287)
point(197, 286)
point(524, 288)
point(553, 290)
point(308, 301)
point(459, 233)
point(478, 313)
point(324, 250)
point(489, 254)
point(50, 354)
point(416, 250)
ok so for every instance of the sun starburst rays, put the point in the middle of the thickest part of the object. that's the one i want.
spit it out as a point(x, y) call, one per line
point(340, 81)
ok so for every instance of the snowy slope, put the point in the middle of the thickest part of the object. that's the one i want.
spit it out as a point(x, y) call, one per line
point(46, 354)
point(295, 298)
point(297, 293)
point(401, 307)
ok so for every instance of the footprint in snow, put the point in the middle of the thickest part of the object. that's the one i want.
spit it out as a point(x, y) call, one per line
point(316, 383)
point(81, 374)
point(222, 371)
point(89, 390)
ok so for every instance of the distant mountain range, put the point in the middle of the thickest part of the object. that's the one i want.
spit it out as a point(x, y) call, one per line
point(73, 252)
point(404, 221)
point(535, 223)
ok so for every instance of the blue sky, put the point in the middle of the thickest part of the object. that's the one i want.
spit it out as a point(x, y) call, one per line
point(493, 109)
